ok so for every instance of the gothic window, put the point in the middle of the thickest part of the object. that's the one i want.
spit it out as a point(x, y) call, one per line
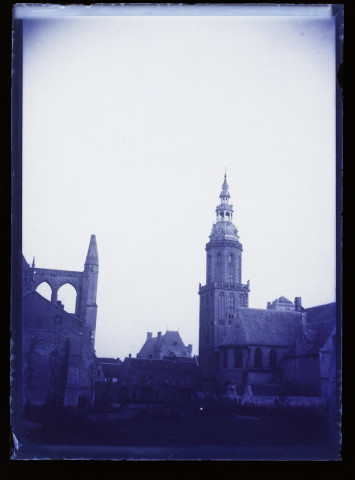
point(258, 358)
point(208, 268)
point(230, 258)
point(273, 358)
point(238, 358)
point(231, 301)
point(221, 306)
point(67, 295)
point(219, 260)
point(44, 290)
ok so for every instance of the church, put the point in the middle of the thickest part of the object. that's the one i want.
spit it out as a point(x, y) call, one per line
point(58, 356)
point(284, 349)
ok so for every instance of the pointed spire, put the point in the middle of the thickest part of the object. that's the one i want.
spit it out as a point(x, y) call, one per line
point(92, 257)
point(33, 262)
point(225, 187)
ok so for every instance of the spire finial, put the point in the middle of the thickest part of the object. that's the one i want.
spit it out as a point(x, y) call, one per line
point(225, 192)
point(33, 262)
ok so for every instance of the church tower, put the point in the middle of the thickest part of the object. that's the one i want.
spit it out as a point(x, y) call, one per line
point(223, 292)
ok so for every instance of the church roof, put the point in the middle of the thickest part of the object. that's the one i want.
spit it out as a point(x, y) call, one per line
point(38, 310)
point(321, 324)
point(254, 326)
point(25, 265)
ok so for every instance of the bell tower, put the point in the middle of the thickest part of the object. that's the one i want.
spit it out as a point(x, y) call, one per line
point(223, 292)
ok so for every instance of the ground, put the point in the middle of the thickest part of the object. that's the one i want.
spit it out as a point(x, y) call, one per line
point(185, 429)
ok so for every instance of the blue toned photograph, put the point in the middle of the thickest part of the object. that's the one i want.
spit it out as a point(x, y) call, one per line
point(176, 242)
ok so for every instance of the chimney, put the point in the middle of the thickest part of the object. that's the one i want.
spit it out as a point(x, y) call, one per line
point(129, 355)
point(159, 336)
point(298, 304)
point(149, 335)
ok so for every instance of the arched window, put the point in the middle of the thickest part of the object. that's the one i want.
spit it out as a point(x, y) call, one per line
point(67, 296)
point(273, 358)
point(221, 306)
point(219, 260)
point(238, 358)
point(258, 358)
point(44, 290)
point(231, 300)
point(209, 278)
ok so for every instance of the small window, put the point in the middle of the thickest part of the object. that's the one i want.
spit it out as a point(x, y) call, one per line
point(258, 358)
point(238, 358)
point(231, 300)
point(273, 358)
point(142, 379)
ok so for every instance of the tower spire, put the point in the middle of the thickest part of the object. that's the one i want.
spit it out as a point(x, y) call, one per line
point(92, 257)
point(224, 226)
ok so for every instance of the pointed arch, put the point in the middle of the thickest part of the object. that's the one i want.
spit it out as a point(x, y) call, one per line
point(45, 290)
point(67, 295)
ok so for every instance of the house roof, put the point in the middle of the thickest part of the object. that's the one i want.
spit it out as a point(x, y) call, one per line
point(111, 370)
point(254, 326)
point(283, 299)
point(162, 366)
point(168, 342)
point(115, 361)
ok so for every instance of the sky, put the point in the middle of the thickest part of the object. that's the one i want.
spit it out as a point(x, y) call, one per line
point(129, 124)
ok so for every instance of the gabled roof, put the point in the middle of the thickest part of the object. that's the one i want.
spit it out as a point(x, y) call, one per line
point(254, 326)
point(168, 342)
point(283, 299)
